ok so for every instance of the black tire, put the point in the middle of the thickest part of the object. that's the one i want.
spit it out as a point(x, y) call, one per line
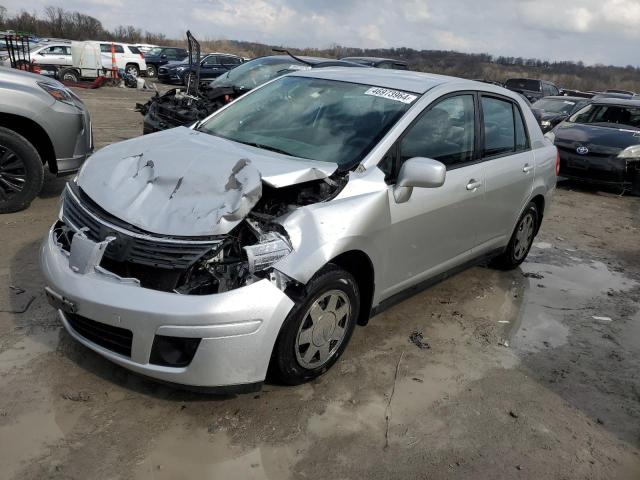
point(132, 69)
point(152, 71)
point(69, 75)
point(20, 163)
point(517, 250)
point(285, 365)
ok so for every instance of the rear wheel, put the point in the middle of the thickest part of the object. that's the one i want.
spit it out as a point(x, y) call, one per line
point(69, 75)
point(152, 72)
point(318, 328)
point(21, 172)
point(132, 69)
point(521, 240)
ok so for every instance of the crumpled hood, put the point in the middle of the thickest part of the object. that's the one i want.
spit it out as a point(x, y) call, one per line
point(181, 182)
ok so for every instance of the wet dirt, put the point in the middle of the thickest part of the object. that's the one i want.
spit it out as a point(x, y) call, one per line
point(520, 380)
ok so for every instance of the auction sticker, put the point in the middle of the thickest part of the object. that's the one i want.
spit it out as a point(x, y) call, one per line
point(387, 93)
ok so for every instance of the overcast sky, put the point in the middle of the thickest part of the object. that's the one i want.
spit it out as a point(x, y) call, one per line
point(594, 31)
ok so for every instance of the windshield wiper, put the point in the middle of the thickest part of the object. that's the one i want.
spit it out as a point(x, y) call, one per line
point(267, 147)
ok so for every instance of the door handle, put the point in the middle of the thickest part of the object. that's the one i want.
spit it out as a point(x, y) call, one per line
point(527, 168)
point(473, 184)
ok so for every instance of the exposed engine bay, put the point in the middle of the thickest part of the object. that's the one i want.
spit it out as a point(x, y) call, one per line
point(193, 265)
point(177, 107)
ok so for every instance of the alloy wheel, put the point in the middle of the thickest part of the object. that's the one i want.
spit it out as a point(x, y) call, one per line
point(323, 329)
point(13, 174)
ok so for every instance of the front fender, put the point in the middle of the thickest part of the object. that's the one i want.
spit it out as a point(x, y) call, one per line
point(321, 232)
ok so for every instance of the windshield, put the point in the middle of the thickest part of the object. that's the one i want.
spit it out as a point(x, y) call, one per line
point(523, 84)
point(256, 72)
point(316, 119)
point(555, 105)
point(613, 116)
point(155, 51)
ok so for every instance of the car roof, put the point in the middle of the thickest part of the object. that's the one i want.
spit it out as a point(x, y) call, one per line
point(623, 102)
point(374, 59)
point(416, 82)
point(565, 97)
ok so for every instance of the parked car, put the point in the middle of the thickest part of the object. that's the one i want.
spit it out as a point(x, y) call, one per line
point(554, 110)
point(601, 144)
point(93, 59)
point(533, 89)
point(379, 62)
point(211, 66)
point(262, 236)
point(41, 123)
point(174, 108)
point(158, 56)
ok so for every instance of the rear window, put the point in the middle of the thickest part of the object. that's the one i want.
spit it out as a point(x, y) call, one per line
point(135, 50)
point(523, 84)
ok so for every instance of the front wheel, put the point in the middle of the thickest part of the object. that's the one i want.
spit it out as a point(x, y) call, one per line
point(21, 172)
point(151, 71)
point(521, 240)
point(318, 328)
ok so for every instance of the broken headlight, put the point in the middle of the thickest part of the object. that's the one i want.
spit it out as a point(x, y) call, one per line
point(271, 248)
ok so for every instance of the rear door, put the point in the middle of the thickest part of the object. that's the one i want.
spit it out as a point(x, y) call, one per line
point(436, 228)
point(210, 67)
point(508, 165)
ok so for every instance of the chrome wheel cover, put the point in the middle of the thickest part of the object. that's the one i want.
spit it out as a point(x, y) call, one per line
point(322, 329)
point(524, 236)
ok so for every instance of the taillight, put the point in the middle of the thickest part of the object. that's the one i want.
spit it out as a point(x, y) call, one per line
point(142, 55)
point(557, 163)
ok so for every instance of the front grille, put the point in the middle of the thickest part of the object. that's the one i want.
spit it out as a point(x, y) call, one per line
point(112, 338)
point(131, 244)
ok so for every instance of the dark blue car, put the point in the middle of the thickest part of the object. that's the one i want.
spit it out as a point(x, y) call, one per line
point(158, 56)
point(212, 66)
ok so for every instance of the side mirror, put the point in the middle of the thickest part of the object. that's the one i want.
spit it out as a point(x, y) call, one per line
point(163, 56)
point(418, 172)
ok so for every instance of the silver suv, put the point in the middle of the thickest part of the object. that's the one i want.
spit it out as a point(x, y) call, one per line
point(41, 122)
point(260, 237)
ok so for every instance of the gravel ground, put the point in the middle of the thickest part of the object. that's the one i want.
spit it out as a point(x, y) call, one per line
point(530, 374)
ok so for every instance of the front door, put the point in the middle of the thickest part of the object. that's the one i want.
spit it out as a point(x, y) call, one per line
point(436, 228)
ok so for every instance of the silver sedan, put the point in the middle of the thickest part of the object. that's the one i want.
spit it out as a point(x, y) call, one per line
point(259, 238)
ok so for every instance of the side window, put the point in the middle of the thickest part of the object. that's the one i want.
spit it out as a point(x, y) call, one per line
point(210, 60)
point(173, 53)
point(106, 48)
point(229, 61)
point(387, 65)
point(554, 90)
point(504, 128)
point(67, 50)
point(522, 142)
point(445, 132)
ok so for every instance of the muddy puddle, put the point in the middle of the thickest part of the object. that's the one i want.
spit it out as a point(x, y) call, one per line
point(553, 293)
point(196, 453)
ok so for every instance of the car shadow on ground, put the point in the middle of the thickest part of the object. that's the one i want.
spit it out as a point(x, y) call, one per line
point(53, 185)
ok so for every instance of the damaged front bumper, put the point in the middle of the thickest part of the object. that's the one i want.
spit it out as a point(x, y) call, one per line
point(217, 340)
